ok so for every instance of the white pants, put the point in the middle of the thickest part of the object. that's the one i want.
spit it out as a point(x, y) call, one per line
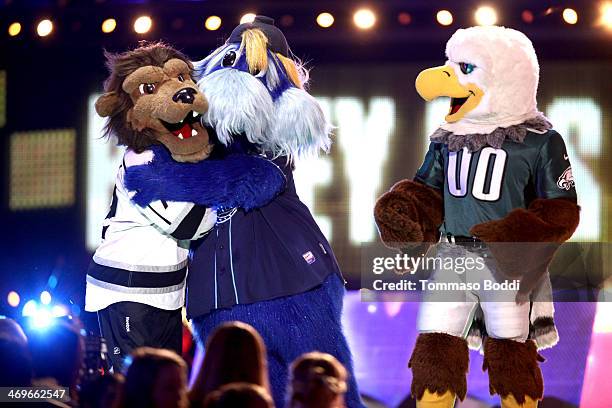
point(452, 312)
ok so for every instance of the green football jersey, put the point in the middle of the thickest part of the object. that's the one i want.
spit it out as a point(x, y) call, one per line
point(487, 184)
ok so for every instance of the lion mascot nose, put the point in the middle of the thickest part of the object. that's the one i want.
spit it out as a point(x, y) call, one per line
point(185, 95)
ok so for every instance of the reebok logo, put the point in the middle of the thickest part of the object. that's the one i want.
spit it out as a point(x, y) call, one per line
point(127, 324)
point(116, 351)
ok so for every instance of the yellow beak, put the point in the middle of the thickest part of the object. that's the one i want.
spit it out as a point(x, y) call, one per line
point(442, 81)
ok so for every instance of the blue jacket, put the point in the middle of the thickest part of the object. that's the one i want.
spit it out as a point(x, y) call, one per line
point(272, 251)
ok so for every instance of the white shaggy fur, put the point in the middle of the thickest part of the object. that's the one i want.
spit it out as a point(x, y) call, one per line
point(238, 103)
point(300, 127)
point(506, 70)
point(293, 126)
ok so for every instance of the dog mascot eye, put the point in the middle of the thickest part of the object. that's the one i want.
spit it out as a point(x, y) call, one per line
point(229, 59)
point(466, 68)
point(146, 88)
point(180, 77)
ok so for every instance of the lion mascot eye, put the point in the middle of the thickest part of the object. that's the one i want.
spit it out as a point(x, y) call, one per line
point(146, 88)
point(181, 78)
point(229, 59)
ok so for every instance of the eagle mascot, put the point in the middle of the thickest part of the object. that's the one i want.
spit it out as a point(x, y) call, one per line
point(495, 183)
point(270, 267)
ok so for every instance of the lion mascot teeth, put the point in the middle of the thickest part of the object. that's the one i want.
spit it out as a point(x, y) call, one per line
point(496, 184)
point(270, 267)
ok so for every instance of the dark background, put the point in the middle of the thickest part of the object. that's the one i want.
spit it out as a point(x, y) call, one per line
point(49, 81)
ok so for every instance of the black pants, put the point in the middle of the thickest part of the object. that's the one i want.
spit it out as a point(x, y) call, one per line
point(128, 325)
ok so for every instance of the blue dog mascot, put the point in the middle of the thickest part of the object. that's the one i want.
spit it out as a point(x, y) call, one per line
point(271, 266)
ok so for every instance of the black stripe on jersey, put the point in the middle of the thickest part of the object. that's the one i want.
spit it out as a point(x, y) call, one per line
point(189, 225)
point(130, 279)
point(165, 204)
point(159, 215)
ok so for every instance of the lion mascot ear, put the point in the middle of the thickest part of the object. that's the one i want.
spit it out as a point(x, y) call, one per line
point(107, 104)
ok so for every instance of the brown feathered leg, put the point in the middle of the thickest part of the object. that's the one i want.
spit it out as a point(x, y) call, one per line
point(513, 369)
point(439, 364)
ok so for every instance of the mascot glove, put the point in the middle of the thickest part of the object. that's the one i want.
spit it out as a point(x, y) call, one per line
point(525, 241)
point(409, 214)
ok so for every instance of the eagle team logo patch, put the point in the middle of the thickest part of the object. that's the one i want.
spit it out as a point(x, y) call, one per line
point(566, 180)
point(309, 257)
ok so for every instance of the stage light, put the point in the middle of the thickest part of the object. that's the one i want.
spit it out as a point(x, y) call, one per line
point(143, 24)
point(325, 20)
point(570, 16)
point(14, 29)
point(404, 18)
point(606, 15)
point(109, 25)
point(247, 18)
point(444, 17)
point(212, 23)
point(41, 319)
point(527, 16)
point(485, 15)
point(30, 308)
point(59, 311)
point(45, 297)
point(364, 19)
point(13, 299)
point(44, 28)
point(372, 309)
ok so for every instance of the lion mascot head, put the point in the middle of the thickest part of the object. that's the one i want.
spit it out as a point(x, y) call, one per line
point(257, 90)
point(150, 98)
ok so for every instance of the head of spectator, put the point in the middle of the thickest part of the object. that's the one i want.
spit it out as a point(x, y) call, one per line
point(317, 380)
point(235, 352)
point(155, 378)
point(57, 353)
point(14, 354)
point(102, 392)
point(242, 395)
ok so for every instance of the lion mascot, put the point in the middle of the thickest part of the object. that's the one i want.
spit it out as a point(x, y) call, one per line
point(270, 267)
point(496, 183)
point(136, 280)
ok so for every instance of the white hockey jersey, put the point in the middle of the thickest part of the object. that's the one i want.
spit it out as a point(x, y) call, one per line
point(144, 251)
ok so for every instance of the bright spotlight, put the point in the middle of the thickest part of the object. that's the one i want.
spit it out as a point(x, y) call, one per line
point(30, 308)
point(44, 28)
point(444, 17)
point(143, 24)
point(325, 20)
point(485, 16)
point(109, 25)
point(606, 15)
point(364, 19)
point(14, 29)
point(45, 297)
point(13, 299)
point(59, 311)
point(247, 18)
point(212, 23)
point(41, 319)
point(570, 16)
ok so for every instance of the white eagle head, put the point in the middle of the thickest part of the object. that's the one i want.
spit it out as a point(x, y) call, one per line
point(491, 75)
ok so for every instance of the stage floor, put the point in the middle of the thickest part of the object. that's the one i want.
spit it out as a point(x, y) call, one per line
point(576, 371)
